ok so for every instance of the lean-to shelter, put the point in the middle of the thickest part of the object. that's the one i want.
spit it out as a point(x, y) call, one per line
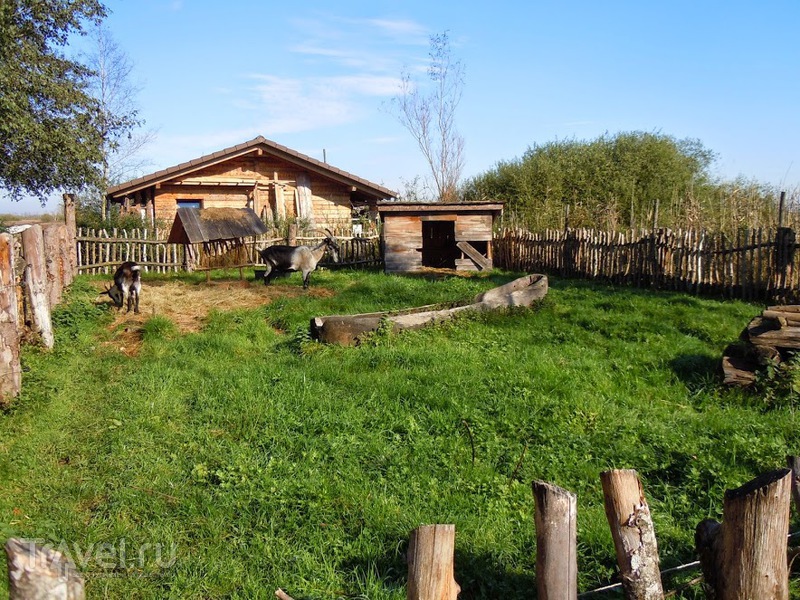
point(222, 235)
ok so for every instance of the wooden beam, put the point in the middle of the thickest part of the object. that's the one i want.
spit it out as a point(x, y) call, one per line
point(476, 256)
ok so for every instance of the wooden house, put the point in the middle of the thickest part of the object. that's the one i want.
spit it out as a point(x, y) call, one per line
point(276, 182)
point(438, 235)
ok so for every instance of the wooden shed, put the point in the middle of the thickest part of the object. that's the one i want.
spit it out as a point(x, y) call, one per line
point(438, 235)
point(278, 183)
point(221, 233)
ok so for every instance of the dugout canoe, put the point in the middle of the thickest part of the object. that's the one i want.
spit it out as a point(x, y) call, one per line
point(347, 329)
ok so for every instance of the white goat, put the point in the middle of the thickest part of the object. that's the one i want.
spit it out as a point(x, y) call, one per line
point(283, 259)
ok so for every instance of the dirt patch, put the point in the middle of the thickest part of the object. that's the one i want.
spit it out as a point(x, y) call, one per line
point(188, 304)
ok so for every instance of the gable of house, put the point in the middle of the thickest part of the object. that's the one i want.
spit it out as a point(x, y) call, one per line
point(276, 182)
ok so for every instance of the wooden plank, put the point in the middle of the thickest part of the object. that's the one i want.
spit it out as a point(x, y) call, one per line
point(476, 256)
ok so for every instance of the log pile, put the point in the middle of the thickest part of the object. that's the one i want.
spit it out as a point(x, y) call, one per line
point(768, 339)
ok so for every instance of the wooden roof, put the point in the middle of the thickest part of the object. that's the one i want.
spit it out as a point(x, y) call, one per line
point(434, 207)
point(196, 225)
point(259, 143)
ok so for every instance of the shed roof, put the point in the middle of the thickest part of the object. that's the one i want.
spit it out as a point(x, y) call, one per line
point(292, 156)
point(430, 207)
point(196, 225)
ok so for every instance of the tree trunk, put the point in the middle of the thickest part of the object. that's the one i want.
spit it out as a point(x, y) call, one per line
point(634, 535)
point(36, 284)
point(556, 542)
point(10, 373)
point(431, 557)
point(35, 572)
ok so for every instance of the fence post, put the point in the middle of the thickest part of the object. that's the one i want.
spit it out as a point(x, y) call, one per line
point(431, 557)
point(37, 572)
point(10, 374)
point(634, 535)
point(744, 557)
point(69, 220)
point(36, 283)
point(556, 542)
point(784, 257)
point(793, 462)
point(51, 237)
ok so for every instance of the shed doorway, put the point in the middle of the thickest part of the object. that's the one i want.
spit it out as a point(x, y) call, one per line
point(439, 249)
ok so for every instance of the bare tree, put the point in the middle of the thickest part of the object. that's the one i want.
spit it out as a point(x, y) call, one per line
point(430, 116)
point(115, 91)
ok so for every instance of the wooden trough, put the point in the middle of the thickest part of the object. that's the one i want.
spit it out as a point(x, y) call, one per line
point(347, 329)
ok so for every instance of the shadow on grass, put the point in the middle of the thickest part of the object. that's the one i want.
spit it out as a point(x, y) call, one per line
point(480, 576)
point(697, 371)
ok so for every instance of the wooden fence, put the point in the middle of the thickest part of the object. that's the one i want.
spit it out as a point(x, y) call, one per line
point(744, 557)
point(101, 251)
point(756, 264)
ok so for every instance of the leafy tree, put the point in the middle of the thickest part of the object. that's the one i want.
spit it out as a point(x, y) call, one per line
point(430, 116)
point(51, 128)
point(612, 181)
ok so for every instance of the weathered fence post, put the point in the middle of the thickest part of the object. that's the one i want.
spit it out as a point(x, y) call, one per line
point(36, 572)
point(292, 235)
point(793, 462)
point(745, 556)
point(69, 221)
point(634, 535)
point(10, 374)
point(431, 558)
point(556, 542)
point(36, 283)
point(51, 236)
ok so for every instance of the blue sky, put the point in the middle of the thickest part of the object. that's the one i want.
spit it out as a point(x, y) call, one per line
point(318, 76)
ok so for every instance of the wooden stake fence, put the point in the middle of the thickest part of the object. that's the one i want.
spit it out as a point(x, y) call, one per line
point(101, 251)
point(755, 265)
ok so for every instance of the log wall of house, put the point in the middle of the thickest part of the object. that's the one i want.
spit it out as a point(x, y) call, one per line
point(251, 181)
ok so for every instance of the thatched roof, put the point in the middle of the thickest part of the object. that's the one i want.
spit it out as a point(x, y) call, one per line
point(196, 225)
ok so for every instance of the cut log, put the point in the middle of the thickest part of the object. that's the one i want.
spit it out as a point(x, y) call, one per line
point(788, 308)
point(431, 563)
point(791, 319)
point(768, 332)
point(634, 535)
point(741, 362)
point(556, 542)
point(744, 557)
point(37, 572)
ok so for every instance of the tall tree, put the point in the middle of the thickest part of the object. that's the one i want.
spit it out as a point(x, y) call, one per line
point(115, 92)
point(50, 125)
point(429, 115)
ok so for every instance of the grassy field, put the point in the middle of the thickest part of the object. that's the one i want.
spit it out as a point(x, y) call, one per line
point(238, 456)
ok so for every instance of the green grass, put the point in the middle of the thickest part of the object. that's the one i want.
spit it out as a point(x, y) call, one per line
point(267, 460)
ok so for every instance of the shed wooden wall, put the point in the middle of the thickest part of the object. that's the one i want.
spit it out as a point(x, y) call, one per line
point(330, 200)
point(402, 235)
